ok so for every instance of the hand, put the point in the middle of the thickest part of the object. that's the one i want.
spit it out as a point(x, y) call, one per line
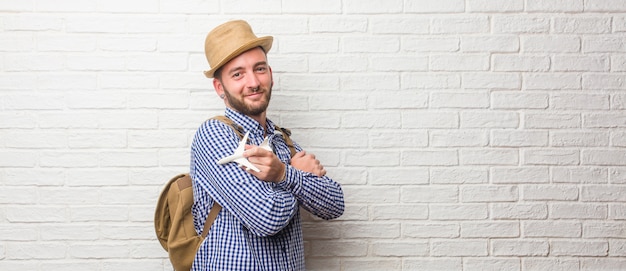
point(307, 162)
point(272, 169)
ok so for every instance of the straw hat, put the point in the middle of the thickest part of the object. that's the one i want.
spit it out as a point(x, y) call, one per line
point(229, 40)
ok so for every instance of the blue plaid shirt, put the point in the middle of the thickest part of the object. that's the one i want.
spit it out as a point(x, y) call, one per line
point(259, 226)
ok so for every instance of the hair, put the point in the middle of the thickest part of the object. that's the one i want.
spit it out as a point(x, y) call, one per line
point(218, 73)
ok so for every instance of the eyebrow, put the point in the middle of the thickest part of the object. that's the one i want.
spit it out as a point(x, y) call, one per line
point(260, 63)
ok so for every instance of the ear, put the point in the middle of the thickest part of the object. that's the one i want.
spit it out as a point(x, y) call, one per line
point(219, 88)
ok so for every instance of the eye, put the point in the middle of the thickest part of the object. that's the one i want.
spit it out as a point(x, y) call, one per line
point(261, 69)
point(236, 75)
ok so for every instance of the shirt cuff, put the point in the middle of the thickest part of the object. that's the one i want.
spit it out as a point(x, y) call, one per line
point(293, 180)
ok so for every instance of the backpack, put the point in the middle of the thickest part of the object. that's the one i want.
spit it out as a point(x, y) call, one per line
point(173, 220)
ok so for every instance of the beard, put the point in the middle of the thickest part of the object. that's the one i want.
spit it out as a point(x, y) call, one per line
point(249, 110)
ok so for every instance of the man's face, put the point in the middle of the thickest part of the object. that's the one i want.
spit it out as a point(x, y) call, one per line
point(246, 82)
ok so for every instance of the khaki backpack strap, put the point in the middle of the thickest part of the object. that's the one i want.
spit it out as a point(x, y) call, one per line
point(238, 129)
point(286, 133)
point(211, 218)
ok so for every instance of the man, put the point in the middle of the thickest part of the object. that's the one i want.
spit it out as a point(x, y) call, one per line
point(259, 227)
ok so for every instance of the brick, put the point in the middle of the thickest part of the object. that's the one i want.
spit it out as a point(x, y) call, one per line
point(491, 264)
point(461, 248)
point(382, 82)
point(617, 175)
point(415, 138)
point(25, 62)
point(459, 138)
point(305, 82)
point(603, 193)
point(552, 228)
point(518, 138)
point(430, 230)
point(491, 43)
point(520, 63)
point(338, 63)
point(458, 175)
point(365, 158)
point(400, 249)
point(579, 248)
point(430, 119)
point(378, 195)
point(489, 119)
point(70, 196)
point(521, 24)
point(334, 24)
point(567, 63)
point(517, 100)
point(599, 5)
point(501, 6)
point(35, 213)
point(589, 25)
point(557, 157)
point(430, 81)
point(337, 248)
point(512, 247)
point(604, 230)
point(502, 175)
point(490, 229)
point(472, 211)
point(36, 251)
point(32, 176)
point(617, 247)
point(430, 44)
point(603, 44)
point(434, 6)
point(371, 7)
point(398, 176)
point(488, 193)
point(549, 264)
point(603, 81)
point(370, 44)
point(618, 101)
point(588, 264)
point(604, 157)
point(554, 6)
point(552, 43)
point(399, 63)
point(549, 192)
point(491, 80)
point(408, 101)
point(399, 25)
point(429, 158)
point(460, 25)
point(578, 211)
point(18, 195)
point(604, 120)
point(618, 63)
point(466, 62)
point(565, 101)
point(305, 44)
point(551, 120)
point(489, 157)
point(579, 139)
point(372, 264)
point(580, 175)
point(552, 81)
point(389, 120)
point(519, 211)
point(459, 100)
point(434, 264)
point(429, 194)
point(400, 212)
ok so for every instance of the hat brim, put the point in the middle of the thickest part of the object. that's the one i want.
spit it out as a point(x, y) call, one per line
point(264, 42)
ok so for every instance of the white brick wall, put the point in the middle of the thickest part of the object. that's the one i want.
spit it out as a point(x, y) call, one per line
point(468, 134)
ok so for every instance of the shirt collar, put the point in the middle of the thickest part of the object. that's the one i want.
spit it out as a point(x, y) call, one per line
point(248, 123)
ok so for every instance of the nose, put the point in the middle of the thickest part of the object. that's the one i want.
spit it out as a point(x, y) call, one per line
point(253, 82)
